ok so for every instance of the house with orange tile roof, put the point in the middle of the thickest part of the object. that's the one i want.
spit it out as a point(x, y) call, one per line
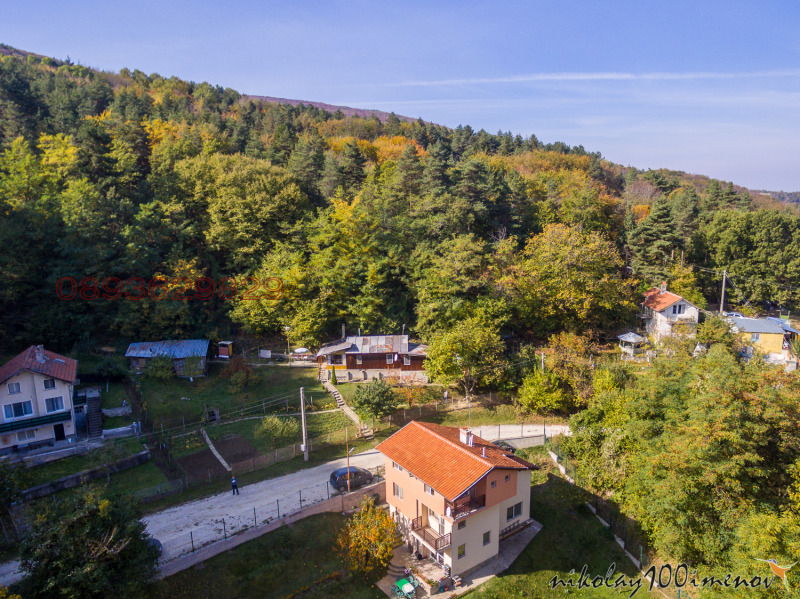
point(455, 496)
point(36, 400)
point(665, 314)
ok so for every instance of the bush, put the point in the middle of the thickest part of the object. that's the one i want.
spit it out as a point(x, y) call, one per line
point(274, 431)
point(378, 398)
point(159, 367)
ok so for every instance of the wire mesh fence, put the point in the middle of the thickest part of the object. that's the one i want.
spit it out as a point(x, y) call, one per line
point(207, 530)
point(626, 530)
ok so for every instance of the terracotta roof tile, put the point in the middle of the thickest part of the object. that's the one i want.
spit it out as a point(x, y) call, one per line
point(434, 454)
point(659, 301)
point(52, 364)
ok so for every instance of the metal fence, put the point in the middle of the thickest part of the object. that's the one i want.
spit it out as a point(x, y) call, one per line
point(626, 529)
point(254, 514)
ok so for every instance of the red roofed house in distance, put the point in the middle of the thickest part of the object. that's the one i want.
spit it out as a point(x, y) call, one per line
point(665, 314)
point(36, 400)
point(454, 495)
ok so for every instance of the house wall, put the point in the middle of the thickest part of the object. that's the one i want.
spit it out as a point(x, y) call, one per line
point(373, 362)
point(662, 324)
point(32, 389)
point(769, 343)
point(503, 489)
point(471, 536)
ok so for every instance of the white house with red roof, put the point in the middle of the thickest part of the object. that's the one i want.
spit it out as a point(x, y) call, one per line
point(665, 314)
point(455, 496)
point(36, 399)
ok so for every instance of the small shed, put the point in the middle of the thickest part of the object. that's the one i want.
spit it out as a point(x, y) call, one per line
point(630, 343)
point(225, 350)
point(179, 351)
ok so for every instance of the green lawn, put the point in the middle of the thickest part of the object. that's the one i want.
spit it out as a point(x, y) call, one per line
point(114, 396)
point(164, 403)
point(571, 537)
point(64, 467)
point(316, 425)
point(274, 566)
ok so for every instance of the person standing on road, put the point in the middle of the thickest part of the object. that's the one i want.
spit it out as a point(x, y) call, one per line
point(234, 485)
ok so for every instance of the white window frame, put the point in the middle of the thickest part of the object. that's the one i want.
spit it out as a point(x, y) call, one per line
point(16, 386)
point(508, 477)
point(11, 406)
point(389, 359)
point(429, 489)
point(462, 524)
point(493, 484)
point(406, 360)
point(52, 386)
point(359, 360)
point(26, 435)
point(397, 490)
point(487, 538)
point(462, 550)
point(397, 466)
point(58, 397)
point(516, 511)
point(755, 337)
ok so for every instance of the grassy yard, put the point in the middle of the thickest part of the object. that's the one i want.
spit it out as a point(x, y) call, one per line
point(274, 566)
point(316, 425)
point(64, 467)
point(571, 537)
point(164, 403)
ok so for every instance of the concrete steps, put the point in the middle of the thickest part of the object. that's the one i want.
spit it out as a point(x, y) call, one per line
point(94, 418)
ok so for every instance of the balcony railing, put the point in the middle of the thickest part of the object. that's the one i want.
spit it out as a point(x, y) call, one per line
point(30, 422)
point(436, 541)
point(461, 507)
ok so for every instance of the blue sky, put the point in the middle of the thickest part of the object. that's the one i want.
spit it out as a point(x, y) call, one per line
point(707, 87)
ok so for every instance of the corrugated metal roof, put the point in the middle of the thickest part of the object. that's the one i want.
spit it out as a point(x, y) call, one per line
point(755, 325)
point(784, 324)
point(39, 360)
point(434, 454)
point(173, 349)
point(373, 344)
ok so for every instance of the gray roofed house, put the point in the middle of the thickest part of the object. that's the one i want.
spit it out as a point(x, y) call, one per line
point(364, 357)
point(755, 325)
point(178, 351)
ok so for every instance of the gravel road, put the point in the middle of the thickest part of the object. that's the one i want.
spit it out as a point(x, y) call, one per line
point(211, 518)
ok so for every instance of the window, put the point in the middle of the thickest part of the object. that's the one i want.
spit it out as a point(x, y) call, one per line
point(508, 477)
point(462, 524)
point(397, 466)
point(13, 388)
point(389, 359)
point(54, 404)
point(407, 360)
point(462, 551)
point(493, 484)
point(429, 489)
point(487, 537)
point(18, 410)
point(26, 435)
point(49, 383)
point(397, 491)
point(514, 511)
point(678, 309)
point(359, 360)
point(337, 359)
point(755, 337)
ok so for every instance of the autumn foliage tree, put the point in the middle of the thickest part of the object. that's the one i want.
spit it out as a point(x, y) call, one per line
point(366, 541)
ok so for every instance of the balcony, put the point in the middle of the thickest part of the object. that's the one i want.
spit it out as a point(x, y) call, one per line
point(30, 422)
point(461, 507)
point(437, 541)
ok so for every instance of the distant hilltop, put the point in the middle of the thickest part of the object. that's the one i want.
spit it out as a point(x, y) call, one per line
point(345, 110)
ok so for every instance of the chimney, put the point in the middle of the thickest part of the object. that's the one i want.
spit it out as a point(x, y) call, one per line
point(483, 451)
point(663, 287)
point(465, 436)
point(39, 353)
point(344, 335)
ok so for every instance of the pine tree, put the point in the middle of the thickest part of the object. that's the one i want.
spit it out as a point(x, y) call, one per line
point(408, 173)
point(653, 244)
point(437, 178)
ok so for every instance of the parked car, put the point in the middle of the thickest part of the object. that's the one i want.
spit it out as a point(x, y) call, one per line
point(505, 446)
point(358, 477)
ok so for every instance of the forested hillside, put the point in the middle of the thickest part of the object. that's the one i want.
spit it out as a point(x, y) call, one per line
point(105, 177)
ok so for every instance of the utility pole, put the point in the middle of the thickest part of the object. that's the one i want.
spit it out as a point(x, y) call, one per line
point(303, 421)
point(722, 298)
